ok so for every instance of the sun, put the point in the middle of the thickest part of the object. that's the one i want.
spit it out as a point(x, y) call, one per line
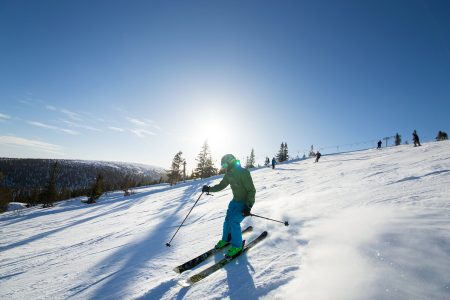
point(217, 131)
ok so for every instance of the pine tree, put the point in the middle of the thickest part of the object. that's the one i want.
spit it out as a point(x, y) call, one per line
point(50, 193)
point(250, 160)
point(442, 136)
point(311, 152)
point(97, 189)
point(34, 197)
point(176, 169)
point(126, 185)
point(205, 167)
point(285, 152)
point(5, 195)
point(398, 139)
point(279, 155)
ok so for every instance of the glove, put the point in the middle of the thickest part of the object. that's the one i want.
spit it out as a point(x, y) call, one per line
point(246, 211)
point(205, 189)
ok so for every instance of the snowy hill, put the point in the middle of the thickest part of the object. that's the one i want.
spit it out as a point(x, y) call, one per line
point(27, 176)
point(372, 224)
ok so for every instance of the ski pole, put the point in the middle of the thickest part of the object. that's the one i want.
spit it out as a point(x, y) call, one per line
point(168, 244)
point(286, 223)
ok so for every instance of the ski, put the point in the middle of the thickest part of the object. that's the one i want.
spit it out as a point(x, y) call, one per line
point(201, 275)
point(204, 256)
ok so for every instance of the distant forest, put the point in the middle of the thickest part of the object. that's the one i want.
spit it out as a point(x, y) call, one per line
point(26, 179)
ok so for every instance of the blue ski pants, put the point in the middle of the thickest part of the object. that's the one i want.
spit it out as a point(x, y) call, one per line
point(232, 223)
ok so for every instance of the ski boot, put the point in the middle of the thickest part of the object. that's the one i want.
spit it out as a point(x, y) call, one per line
point(220, 244)
point(233, 251)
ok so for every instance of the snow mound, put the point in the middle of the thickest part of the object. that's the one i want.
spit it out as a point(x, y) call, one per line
point(14, 206)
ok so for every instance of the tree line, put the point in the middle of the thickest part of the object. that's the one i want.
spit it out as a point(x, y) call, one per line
point(45, 181)
point(205, 166)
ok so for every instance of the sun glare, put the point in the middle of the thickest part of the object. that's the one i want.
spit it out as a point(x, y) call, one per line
point(217, 123)
point(217, 132)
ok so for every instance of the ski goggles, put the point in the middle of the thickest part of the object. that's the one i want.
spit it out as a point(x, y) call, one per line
point(226, 165)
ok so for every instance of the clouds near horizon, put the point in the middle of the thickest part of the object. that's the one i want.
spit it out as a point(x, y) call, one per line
point(30, 144)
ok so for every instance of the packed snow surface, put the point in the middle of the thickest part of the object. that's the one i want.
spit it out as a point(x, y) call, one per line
point(373, 224)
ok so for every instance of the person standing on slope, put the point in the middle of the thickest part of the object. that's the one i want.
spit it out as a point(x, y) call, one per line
point(318, 155)
point(274, 162)
point(239, 207)
point(416, 138)
point(379, 144)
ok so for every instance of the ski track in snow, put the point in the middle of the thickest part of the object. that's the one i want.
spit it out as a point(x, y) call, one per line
point(371, 224)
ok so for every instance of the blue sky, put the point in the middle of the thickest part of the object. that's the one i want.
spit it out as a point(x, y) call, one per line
point(138, 81)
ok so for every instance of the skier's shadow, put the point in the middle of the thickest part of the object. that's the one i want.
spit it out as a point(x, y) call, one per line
point(240, 281)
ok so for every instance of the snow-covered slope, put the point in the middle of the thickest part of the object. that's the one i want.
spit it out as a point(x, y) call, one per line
point(373, 224)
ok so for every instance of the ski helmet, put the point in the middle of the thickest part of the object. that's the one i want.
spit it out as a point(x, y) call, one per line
point(227, 160)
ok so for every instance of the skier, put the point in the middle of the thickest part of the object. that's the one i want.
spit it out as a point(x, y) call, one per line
point(267, 162)
point(274, 162)
point(416, 139)
point(318, 155)
point(379, 144)
point(239, 207)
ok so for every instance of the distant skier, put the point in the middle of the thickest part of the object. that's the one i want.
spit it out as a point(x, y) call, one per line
point(267, 162)
point(239, 207)
point(318, 155)
point(416, 139)
point(379, 144)
point(274, 162)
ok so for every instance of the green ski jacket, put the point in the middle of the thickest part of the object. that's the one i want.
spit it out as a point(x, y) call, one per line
point(241, 184)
